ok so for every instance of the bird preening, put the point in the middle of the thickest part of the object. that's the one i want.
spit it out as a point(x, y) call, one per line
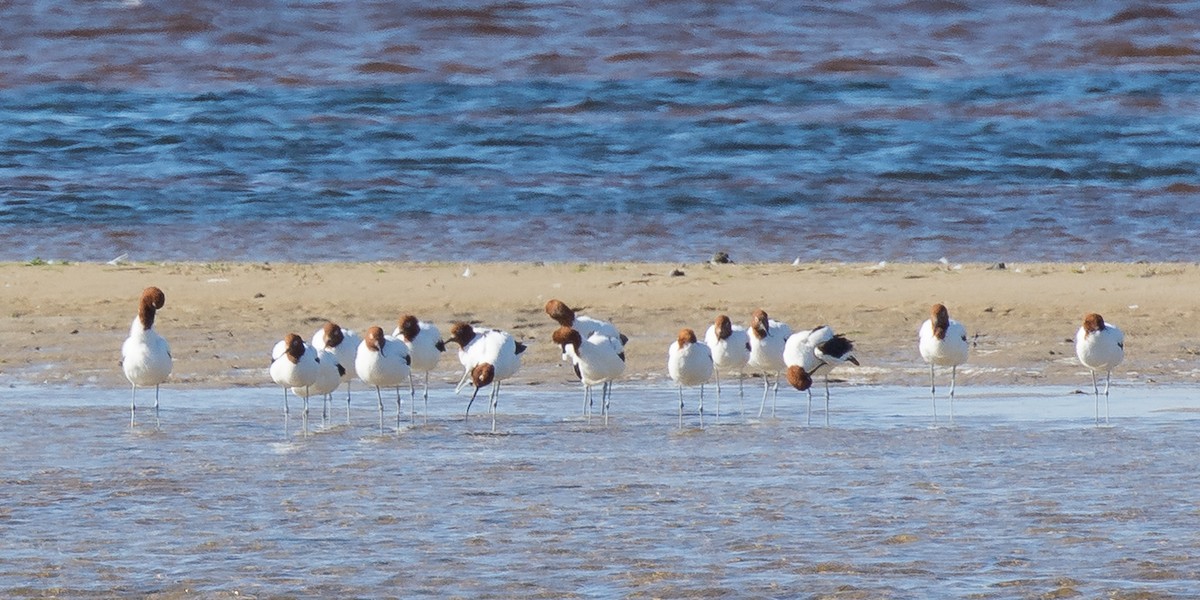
point(145, 356)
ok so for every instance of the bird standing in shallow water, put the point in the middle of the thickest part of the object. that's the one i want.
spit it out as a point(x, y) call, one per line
point(565, 316)
point(823, 350)
point(383, 361)
point(489, 356)
point(343, 343)
point(730, 346)
point(329, 378)
point(767, 338)
point(598, 360)
point(689, 363)
point(1100, 346)
point(942, 342)
point(145, 355)
point(425, 348)
point(294, 364)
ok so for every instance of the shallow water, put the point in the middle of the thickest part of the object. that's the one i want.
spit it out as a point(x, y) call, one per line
point(615, 130)
point(1024, 497)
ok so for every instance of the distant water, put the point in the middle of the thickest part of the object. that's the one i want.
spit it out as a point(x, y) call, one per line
point(1025, 498)
point(864, 130)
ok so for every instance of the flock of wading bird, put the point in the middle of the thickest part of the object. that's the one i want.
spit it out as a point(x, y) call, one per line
point(595, 348)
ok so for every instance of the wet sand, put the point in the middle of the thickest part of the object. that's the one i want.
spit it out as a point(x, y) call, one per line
point(65, 323)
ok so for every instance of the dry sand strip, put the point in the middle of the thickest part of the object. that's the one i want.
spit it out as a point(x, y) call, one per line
point(65, 322)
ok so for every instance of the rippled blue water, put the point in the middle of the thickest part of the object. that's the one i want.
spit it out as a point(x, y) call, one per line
point(609, 131)
point(1024, 498)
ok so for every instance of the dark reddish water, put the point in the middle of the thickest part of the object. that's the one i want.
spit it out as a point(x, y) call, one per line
point(600, 131)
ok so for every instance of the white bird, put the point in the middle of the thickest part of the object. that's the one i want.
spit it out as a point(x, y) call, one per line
point(1100, 346)
point(689, 363)
point(811, 351)
point(730, 346)
point(329, 378)
point(425, 347)
point(799, 354)
point(767, 338)
point(599, 359)
point(343, 343)
point(145, 355)
point(585, 325)
point(942, 342)
point(294, 364)
point(489, 357)
point(383, 361)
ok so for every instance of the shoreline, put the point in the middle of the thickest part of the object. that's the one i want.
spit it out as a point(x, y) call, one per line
point(66, 322)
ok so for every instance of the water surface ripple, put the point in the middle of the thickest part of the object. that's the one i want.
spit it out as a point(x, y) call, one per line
point(1024, 498)
point(318, 131)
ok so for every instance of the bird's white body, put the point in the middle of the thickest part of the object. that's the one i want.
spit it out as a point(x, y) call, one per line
point(344, 353)
point(328, 379)
point(384, 368)
point(1100, 350)
point(690, 364)
point(766, 353)
point(950, 351)
point(731, 353)
point(800, 350)
point(598, 358)
point(302, 373)
point(587, 326)
point(495, 347)
point(145, 356)
point(423, 349)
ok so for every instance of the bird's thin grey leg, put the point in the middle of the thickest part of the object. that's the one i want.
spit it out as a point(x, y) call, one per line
point(827, 399)
point(681, 406)
point(933, 394)
point(606, 396)
point(810, 406)
point(1107, 382)
point(304, 415)
point(495, 401)
point(379, 396)
point(766, 388)
point(774, 393)
point(953, 377)
point(412, 400)
point(717, 377)
point(399, 407)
